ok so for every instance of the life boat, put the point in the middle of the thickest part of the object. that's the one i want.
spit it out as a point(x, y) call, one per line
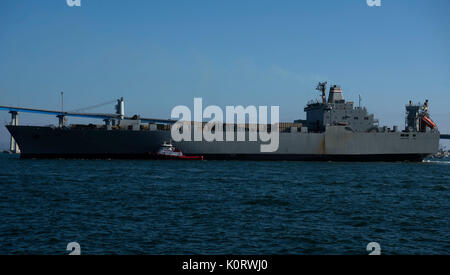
point(429, 122)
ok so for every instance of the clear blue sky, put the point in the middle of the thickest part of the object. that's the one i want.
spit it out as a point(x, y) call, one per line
point(158, 54)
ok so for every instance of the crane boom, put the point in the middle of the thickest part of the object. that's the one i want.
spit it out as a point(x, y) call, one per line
point(92, 107)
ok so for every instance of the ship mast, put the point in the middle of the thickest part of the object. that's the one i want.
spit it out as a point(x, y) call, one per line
point(322, 86)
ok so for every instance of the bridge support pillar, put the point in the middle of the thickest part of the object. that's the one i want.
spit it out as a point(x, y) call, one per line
point(62, 120)
point(13, 147)
point(108, 124)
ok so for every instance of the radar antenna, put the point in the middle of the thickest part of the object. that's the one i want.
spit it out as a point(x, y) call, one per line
point(322, 86)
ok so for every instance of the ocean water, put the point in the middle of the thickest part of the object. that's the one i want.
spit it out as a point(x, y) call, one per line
point(223, 207)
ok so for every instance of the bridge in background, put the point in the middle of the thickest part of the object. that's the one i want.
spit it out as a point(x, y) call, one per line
point(61, 115)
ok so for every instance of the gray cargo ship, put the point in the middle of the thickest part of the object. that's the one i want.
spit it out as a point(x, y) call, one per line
point(334, 130)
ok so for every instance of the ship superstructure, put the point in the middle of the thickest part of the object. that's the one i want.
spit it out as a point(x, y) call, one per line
point(337, 111)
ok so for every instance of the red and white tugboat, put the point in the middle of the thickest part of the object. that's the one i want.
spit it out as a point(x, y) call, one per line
point(168, 151)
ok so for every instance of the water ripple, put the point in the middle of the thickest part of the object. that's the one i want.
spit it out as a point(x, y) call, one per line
point(214, 207)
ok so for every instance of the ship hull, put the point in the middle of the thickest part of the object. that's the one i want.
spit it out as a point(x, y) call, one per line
point(246, 157)
point(335, 144)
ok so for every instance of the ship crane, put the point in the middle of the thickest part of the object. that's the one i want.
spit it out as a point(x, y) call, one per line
point(93, 106)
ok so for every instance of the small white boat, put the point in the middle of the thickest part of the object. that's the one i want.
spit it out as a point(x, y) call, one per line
point(168, 151)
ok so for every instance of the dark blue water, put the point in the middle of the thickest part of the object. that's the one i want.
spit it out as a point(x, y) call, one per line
point(223, 207)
